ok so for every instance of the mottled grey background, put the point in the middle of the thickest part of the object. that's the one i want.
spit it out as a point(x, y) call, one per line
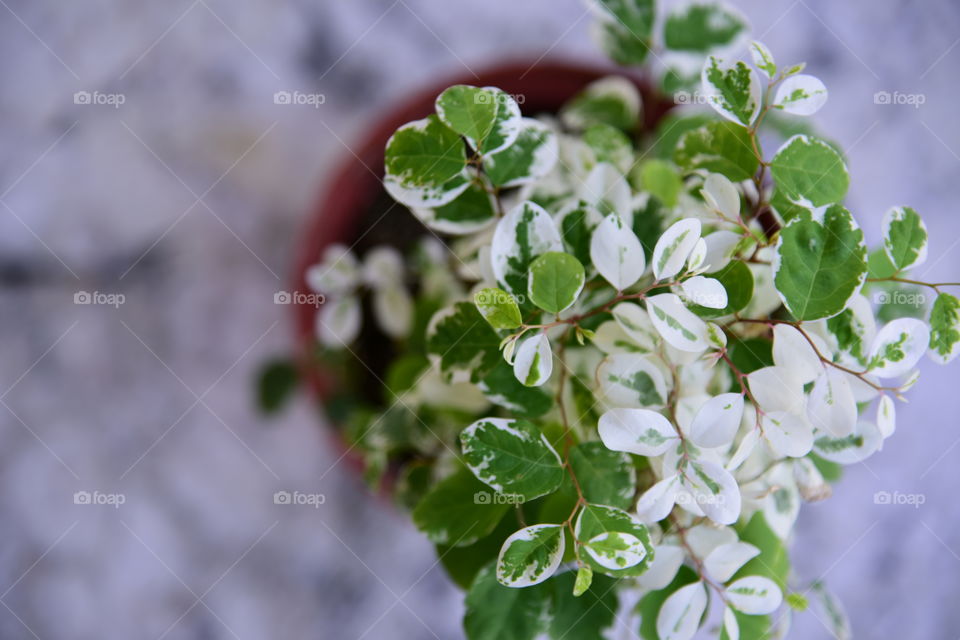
point(188, 198)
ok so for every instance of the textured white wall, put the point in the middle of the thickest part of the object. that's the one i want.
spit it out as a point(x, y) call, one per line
point(188, 198)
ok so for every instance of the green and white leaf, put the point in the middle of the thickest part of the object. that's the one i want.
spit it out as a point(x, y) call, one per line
point(832, 407)
point(731, 628)
point(610, 145)
point(531, 156)
point(886, 416)
point(714, 490)
point(657, 502)
point(531, 555)
point(865, 440)
point(533, 360)
point(819, 266)
point(836, 617)
point(680, 615)
point(635, 322)
point(801, 95)
point(615, 550)
point(616, 253)
point(596, 520)
point(667, 559)
point(639, 431)
point(338, 272)
point(854, 329)
point(613, 100)
point(720, 147)
point(498, 308)
point(623, 28)
point(555, 280)
point(898, 347)
point(721, 247)
point(473, 209)
point(775, 388)
point(393, 310)
point(679, 326)
point(512, 457)
point(763, 59)
point(523, 234)
point(717, 421)
point(632, 380)
point(754, 595)
point(904, 238)
point(425, 164)
point(733, 90)
point(488, 118)
point(795, 355)
point(810, 172)
point(703, 26)
point(945, 328)
point(788, 435)
point(674, 247)
point(502, 388)
point(462, 340)
point(606, 190)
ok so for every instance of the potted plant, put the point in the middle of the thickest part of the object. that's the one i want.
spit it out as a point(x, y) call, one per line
point(605, 353)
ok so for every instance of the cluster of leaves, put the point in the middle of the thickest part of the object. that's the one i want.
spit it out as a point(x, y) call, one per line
point(648, 348)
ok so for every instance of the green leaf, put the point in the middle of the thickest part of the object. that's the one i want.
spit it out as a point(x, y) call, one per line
point(750, 354)
point(589, 616)
point(904, 238)
point(773, 561)
point(782, 205)
point(612, 100)
point(498, 308)
point(463, 340)
point(531, 156)
point(810, 172)
point(555, 281)
point(672, 127)
point(732, 90)
point(277, 382)
point(496, 612)
point(624, 29)
point(583, 581)
point(488, 117)
point(576, 226)
point(459, 510)
point(605, 476)
point(470, 211)
point(512, 457)
point(531, 555)
point(425, 164)
point(503, 389)
point(609, 145)
point(595, 520)
point(719, 147)
point(661, 179)
point(464, 563)
point(702, 27)
point(737, 279)
point(945, 328)
point(819, 267)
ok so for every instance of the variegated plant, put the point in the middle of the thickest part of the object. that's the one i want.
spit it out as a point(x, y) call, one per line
point(627, 356)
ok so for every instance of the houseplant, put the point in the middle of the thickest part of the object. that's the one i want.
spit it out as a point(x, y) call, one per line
point(620, 358)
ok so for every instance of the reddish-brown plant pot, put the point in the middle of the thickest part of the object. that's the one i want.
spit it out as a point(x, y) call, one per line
point(355, 186)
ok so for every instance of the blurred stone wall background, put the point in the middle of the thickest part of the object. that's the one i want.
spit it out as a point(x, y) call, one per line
point(187, 198)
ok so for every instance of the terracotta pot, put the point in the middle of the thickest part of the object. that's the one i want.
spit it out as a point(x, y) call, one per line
point(355, 186)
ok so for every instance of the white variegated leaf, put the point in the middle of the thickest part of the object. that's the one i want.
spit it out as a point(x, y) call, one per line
point(775, 389)
point(533, 362)
point(886, 416)
point(810, 482)
point(531, 555)
point(338, 322)
point(788, 435)
point(393, 309)
point(721, 195)
point(636, 323)
point(528, 225)
point(695, 261)
point(717, 421)
point(754, 595)
point(792, 352)
point(732, 89)
point(616, 550)
point(337, 273)
point(383, 267)
point(831, 407)
point(730, 625)
point(616, 253)
point(720, 248)
point(714, 490)
point(639, 431)
point(726, 559)
point(904, 238)
point(706, 292)
point(632, 380)
point(763, 59)
point(667, 559)
point(865, 440)
point(744, 449)
point(607, 190)
point(898, 347)
point(801, 95)
point(680, 327)
point(656, 502)
point(679, 617)
point(674, 246)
